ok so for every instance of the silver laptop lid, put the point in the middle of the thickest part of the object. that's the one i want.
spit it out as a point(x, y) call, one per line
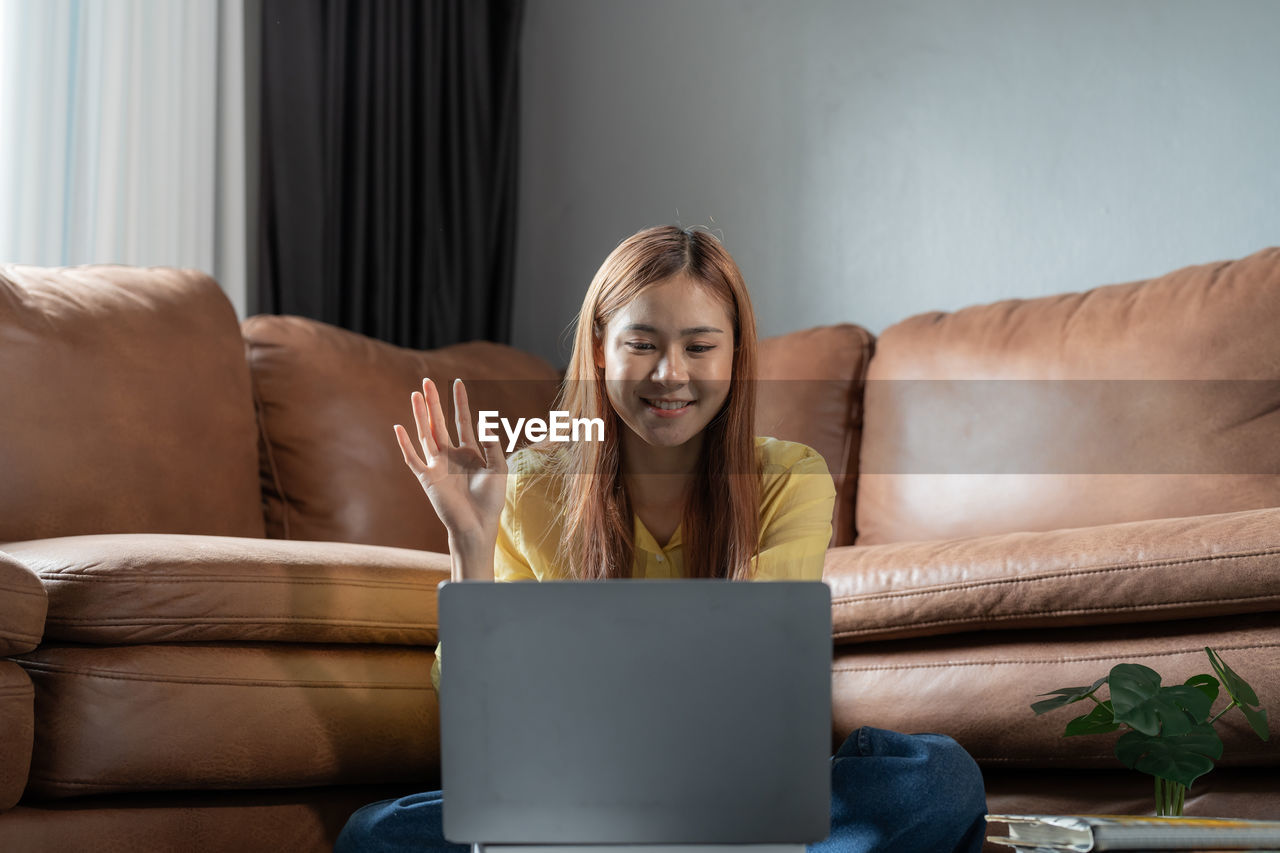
point(636, 711)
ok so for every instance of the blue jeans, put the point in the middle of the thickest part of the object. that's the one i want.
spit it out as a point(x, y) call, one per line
point(890, 793)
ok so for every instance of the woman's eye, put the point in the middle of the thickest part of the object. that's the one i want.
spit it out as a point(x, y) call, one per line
point(700, 348)
point(640, 345)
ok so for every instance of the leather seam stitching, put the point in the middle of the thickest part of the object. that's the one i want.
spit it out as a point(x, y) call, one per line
point(1023, 661)
point(1103, 568)
point(122, 786)
point(265, 620)
point(218, 681)
point(84, 577)
point(1079, 611)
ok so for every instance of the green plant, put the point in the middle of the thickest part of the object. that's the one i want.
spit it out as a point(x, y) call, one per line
point(1171, 735)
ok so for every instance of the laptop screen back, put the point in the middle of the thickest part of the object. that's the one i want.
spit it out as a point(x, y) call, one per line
point(636, 711)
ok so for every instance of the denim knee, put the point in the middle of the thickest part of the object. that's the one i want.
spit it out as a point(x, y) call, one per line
point(356, 835)
point(412, 823)
point(946, 761)
point(904, 793)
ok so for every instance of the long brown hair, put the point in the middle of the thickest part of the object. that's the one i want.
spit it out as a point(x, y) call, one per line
point(721, 520)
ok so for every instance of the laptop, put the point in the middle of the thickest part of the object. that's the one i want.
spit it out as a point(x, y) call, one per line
point(580, 715)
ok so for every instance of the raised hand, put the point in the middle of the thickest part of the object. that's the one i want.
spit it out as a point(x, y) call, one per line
point(466, 482)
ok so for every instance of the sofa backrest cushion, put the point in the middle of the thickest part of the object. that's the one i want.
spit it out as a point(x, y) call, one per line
point(327, 399)
point(1153, 399)
point(127, 406)
point(810, 391)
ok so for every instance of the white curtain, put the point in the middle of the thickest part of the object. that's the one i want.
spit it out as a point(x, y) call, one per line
point(122, 135)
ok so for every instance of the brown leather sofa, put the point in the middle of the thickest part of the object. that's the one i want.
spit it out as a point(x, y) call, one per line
point(217, 581)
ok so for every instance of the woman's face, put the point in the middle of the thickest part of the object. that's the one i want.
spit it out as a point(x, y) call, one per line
point(667, 359)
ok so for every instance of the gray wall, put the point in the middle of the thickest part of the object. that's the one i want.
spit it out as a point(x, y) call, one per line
point(864, 161)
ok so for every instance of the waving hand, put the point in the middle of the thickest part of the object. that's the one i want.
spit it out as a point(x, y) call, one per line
point(466, 482)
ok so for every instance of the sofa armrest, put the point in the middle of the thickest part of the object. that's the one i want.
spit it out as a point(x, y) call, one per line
point(1142, 571)
point(22, 612)
point(23, 606)
point(126, 589)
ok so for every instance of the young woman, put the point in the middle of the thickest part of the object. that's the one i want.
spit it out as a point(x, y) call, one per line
point(680, 486)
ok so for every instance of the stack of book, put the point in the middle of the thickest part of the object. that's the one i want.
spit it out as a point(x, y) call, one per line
point(1084, 833)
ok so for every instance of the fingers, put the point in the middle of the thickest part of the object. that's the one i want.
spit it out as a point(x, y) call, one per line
point(462, 416)
point(434, 434)
point(422, 421)
point(494, 458)
point(438, 427)
point(411, 458)
point(490, 451)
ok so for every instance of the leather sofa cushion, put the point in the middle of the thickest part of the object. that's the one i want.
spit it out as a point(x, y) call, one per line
point(165, 588)
point(979, 687)
point(127, 405)
point(810, 390)
point(17, 731)
point(305, 820)
point(230, 716)
point(327, 398)
point(23, 605)
point(1153, 399)
point(1143, 571)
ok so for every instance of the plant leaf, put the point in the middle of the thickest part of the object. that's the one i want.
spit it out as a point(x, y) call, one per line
point(1141, 702)
point(1257, 718)
point(1196, 704)
point(1184, 758)
point(1206, 684)
point(1237, 688)
point(1133, 687)
point(1065, 696)
point(1098, 721)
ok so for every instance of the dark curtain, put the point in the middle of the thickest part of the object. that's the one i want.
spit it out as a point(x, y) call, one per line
point(388, 147)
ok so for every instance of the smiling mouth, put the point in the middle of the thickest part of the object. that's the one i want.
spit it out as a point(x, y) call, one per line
point(668, 405)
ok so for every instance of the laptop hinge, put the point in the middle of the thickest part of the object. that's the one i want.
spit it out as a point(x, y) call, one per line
point(637, 848)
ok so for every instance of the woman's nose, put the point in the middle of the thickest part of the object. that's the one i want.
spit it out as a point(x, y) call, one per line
point(671, 368)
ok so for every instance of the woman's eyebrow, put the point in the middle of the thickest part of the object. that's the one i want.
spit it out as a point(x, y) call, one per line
point(693, 330)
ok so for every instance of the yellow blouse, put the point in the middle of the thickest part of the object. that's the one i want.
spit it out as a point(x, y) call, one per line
point(797, 497)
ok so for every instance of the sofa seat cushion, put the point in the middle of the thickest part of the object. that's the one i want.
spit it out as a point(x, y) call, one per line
point(1174, 568)
point(327, 398)
point(127, 405)
point(219, 716)
point(168, 588)
point(17, 730)
point(979, 687)
point(301, 820)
